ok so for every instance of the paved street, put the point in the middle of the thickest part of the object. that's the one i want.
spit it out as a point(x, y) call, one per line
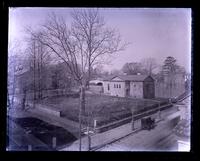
point(124, 139)
point(159, 139)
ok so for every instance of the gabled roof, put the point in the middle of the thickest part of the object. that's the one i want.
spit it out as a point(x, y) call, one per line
point(136, 78)
point(96, 81)
point(108, 78)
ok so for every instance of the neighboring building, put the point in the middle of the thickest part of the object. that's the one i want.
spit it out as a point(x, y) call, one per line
point(96, 85)
point(170, 86)
point(23, 80)
point(177, 78)
point(137, 86)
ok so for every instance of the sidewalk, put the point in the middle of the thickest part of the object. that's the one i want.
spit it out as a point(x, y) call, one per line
point(100, 139)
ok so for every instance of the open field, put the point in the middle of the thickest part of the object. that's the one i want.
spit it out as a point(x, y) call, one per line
point(102, 108)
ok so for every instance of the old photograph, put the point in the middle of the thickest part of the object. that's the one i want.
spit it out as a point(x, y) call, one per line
point(99, 79)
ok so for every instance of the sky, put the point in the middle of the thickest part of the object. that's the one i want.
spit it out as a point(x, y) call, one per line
point(151, 32)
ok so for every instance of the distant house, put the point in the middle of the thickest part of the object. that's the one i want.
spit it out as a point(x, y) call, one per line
point(137, 86)
point(96, 85)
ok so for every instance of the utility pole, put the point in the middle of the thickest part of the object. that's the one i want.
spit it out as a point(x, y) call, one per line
point(34, 86)
point(132, 121)
point(159, 112)
point(80, 111)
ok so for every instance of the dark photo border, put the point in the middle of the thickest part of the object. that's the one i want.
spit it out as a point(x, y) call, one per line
point(193, 155)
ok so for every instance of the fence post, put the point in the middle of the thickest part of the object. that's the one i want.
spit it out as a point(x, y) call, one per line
point(29, 148)
point(95, 124)
point(54, 142)
point(132, 122)
point(159, 112)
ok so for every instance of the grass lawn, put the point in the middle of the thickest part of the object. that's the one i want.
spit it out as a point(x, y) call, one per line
point(101, 107)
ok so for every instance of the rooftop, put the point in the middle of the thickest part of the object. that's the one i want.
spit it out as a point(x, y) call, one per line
point(138, 78)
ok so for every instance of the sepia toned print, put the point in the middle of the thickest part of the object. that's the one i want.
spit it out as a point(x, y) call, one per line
point(99, 79)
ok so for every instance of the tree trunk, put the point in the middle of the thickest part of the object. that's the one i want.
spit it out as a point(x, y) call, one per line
point(82, 99)
point(41, 82)
point(81, 111)
point(24, 100)
point(34, 74)
point(88, 79)
point(38, 78)
point(13, 92)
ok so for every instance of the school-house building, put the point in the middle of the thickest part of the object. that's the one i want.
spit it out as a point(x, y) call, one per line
point(137, 86)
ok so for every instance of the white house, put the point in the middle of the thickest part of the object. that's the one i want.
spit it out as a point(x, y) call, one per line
point(137, 86)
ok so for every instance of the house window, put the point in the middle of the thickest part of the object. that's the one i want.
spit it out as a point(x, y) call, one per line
point(119, 85)
point(108, 87)
point(114, 85)
point(134, 85)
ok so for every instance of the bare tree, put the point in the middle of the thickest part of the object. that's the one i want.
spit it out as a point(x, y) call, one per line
point(133, 68)
point(39, 58)
point(32, 53)
point(82, 46)
point(14, 65)
point(170, 69)
point(116, 72)
point(94, 39)
point(149, 64)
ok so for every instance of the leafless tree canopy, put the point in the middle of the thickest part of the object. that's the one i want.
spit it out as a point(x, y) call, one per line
point(81, 46)
point(149, 65)
point(133, 68)
point(39, 58)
